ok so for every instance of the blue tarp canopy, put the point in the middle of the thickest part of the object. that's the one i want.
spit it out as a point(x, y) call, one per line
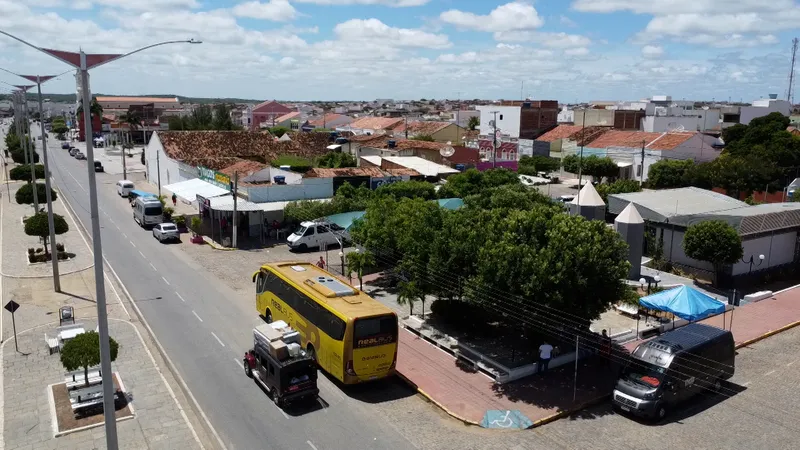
point(451, 203)
point(345, 220)
point(685, 302)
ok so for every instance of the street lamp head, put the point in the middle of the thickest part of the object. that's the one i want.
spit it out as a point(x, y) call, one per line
point(761, 257)
point(657, 278)
point(642, 281)
point(341, 253)
point(194, 41)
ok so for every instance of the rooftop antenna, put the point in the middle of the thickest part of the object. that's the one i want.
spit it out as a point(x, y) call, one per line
point(790, 94)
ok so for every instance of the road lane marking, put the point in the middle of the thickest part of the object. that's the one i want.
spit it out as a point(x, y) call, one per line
point(179, 296)
point(311, 444)
point(769, 373)
point(140, 252)
point(218, 339)
point(745, 384)
point(125, 235)
point(198, 317)
point(134, 245)
point(790, 364)
point(165, 280)
point(154, 267)
point(238, 364)
point(283, 412)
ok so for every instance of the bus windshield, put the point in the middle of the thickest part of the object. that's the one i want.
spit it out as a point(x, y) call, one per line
point(374, 331)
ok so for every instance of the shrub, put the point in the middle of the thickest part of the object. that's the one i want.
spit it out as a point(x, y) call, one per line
point(180, 221)
point(31, 250)
point(23, 173)
point(196, 223)
point(37, 225)
point(24, 195)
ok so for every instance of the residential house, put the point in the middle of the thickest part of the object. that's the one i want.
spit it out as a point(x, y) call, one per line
point(400, 164)
point(369, 176)
point(731, 115)
point(330, 121)
point(293, 121)
point(594, 117)
point(551, 143)
point(431, 151)
point(440, 131)
point(516, 119)
point(264, 114)
point(372, 125)
point(770, 230)
point(636, 151)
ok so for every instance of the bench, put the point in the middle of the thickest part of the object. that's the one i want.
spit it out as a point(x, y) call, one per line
point(73, 382)
point(86, 397)
point(627, 308)
point(52, 344)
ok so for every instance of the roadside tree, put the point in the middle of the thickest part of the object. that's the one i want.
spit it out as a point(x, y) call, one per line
point(358, 262)
point(24, 195)
point(23, 173)
point(83, 351)
point(713, 241)
point(38, 226)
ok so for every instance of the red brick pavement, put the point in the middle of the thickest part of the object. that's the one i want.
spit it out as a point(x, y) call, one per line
point(469, 395)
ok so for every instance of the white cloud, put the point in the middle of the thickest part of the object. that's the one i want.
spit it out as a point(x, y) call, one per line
point(509, 17)
point(391, 3)
point(652, 51)
point(668, 7)
point(731, 40)
point(274, 10)
point(375, 30)
point(552, 40)
point(579, 51)
point(566, 21)
point(147, 5)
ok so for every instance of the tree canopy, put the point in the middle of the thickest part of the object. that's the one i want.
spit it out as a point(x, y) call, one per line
point(713, 241)
point(278, 131)
point(24, 195)
point(205, 117)
point(23, 173)
point(37, 225)
point(336, 160)
point(473, 122)
point(472, 181)
point(532, 165)
point(83, 351)
point(593, 165)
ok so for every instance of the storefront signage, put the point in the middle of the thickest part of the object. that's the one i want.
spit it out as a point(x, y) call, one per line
point(375, 183)
point(216, 178)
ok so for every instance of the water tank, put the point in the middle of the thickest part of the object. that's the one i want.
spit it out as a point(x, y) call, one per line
point(279, 179)
point(460, 167)
point(773, 96)
point(392, 144)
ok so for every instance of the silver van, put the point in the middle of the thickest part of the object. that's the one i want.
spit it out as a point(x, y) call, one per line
point(147, 211)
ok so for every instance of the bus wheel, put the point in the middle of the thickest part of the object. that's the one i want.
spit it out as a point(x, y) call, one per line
point(268, 316)
point(312, 353)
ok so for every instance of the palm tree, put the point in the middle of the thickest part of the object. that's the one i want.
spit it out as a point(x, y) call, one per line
point(473, 122)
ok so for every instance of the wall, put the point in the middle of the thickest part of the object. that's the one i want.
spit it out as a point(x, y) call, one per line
point(534, 121)
point(508, 118)
point(451, 133)
point(628, 119)
point(594, 117)
point(659, 124)
point(310, 188)
point(749, 113)
point(778, 249)
point(699, 147)
point(170, 169)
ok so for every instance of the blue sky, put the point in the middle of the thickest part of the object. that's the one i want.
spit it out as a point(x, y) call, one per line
point(566, 50)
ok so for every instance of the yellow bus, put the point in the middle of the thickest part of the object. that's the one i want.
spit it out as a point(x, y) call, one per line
point(351, 335)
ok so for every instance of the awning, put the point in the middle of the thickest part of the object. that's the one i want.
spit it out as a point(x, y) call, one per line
point(624, 164)
point(190, 189)
point(226, 204)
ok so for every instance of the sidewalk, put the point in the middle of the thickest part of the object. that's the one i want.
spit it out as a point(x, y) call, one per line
point(468, 396)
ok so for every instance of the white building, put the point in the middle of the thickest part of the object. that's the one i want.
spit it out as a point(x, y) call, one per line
point(664, 119)
point(507, 120)
point(763, 107)
point(566, 115)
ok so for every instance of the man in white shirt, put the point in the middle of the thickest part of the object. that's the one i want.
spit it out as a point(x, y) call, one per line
point(545, 353)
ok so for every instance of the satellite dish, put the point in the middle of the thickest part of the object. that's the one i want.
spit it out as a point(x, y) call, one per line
point(447, 151)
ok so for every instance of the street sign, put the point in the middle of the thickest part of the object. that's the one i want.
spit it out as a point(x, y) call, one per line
point(12, 306)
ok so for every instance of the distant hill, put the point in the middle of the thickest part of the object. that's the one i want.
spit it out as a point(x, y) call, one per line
point(70, 98)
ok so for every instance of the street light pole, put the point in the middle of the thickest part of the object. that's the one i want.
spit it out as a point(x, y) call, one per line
point(84, 62)
point(48, 195)
point(31, 148)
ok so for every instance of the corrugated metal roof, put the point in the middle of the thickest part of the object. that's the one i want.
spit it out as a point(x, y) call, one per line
point(658, 206)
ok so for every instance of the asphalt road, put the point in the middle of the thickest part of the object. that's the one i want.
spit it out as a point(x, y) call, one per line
point(205, 331)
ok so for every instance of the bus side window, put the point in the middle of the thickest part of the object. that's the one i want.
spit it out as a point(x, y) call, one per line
point(261, 282)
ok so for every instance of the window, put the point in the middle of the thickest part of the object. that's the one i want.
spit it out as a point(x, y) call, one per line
point(271, 369)
point(309, 231)
point(639, 170)
point(374, 331)
point(326, 321)
point(501, 117)
point(152, 211)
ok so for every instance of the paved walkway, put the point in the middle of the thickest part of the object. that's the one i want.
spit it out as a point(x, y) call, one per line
point(469, 395)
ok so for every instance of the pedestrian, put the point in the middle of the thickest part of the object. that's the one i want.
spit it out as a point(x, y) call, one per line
point(545, 353)
point(321, 263)
point(174, 199)
point(605, 347)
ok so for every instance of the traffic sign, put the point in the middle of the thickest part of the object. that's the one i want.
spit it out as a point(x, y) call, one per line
point(12, 306)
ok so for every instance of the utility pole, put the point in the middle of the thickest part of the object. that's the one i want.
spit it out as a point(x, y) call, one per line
point(405, 124)
point(580, 158)
point(48, 195)
point(124, 167)
point(641, 174)
point(791, 72)
point(494, 137)
point(18, 123)
point(458, 119)
point(158, 170)
point(235, 209)
point(31, 146)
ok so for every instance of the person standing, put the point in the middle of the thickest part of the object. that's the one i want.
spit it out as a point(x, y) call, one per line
point(174, 200)
point(545, 353)
point(605, 348)
point(321, 263)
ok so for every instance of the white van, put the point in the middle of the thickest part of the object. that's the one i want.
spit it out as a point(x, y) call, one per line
point(147, 211)
point(124, 187)
point(316, 235)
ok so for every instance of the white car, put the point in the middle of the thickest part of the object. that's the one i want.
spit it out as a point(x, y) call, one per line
point(166, 232)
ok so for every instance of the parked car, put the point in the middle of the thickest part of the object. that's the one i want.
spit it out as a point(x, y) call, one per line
point(72, 151)
point(80, 155)
point(166, 232)
point(65, 146)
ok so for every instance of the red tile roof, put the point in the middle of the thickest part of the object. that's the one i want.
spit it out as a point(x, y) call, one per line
point(244, 167)
point(271, 106)
point(376, 123)
point(419, 127)
point(560, 132)
point(220, 149)
point(794, 130)
point(286, 117)
point(328, 118)
point(321, 172)
point(464, 155)
point(669, 141)
point(628, 139)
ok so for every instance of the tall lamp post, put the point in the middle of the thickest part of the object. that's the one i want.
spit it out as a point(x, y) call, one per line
point(751, 261)
point(650, 282)
point(84, 62)
point(26, 143)
point(53, 256)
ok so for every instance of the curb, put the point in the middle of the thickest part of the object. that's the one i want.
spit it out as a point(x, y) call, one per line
point(21, 277)
point(432, 400)
point(568, 412)
point(215, 246)
point(768, 334)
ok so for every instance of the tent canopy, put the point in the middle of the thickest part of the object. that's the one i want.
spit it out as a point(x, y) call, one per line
point(190, 189)
point(685, 302)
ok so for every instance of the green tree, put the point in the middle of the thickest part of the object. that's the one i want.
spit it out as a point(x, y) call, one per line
point(531, 165)
point(598, 167)
point(408, 189)
point(23, 173)
point(618, 187)
point(38, 226)
point(713, 241)
point(83, 351)
point(358, 261)
point(278, 131)
point(336, 160)
point(472, 181)
point(742, 175)
point(407, 295)
point(571, 163)
point(667, 173)
point(95, 109)
point(222, 117)
point(59, 126)
point(24, 195)
point(423, 137)
point(473, 122)
point(18, 156)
